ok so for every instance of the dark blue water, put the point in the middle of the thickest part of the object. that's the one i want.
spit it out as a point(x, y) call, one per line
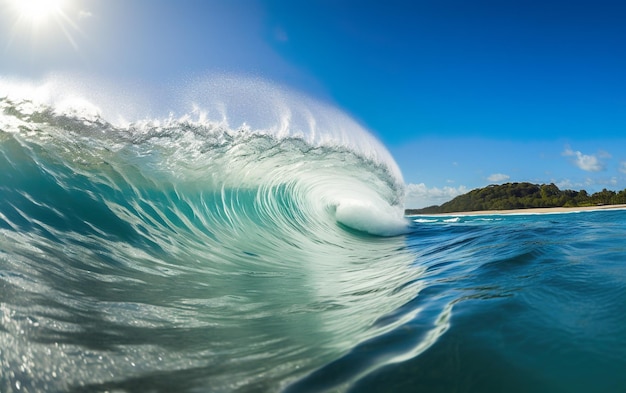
point(538, 306)
point(191, 258)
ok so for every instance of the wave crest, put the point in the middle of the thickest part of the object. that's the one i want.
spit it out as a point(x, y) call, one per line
point(327, 162)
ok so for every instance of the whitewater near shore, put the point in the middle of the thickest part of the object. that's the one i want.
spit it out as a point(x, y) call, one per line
point(544, 210)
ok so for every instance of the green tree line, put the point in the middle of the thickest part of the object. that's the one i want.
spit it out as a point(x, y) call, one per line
point(523, 196)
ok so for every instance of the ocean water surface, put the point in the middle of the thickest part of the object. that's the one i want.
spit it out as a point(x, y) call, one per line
point(187, 254)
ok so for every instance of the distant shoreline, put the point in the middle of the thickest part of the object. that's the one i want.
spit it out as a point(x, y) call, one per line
point(542, 210)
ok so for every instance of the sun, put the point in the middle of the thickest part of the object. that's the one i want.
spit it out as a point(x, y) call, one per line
point(37, 11)
point(41, 20)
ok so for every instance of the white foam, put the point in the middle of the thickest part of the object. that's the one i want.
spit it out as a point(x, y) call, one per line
point(375, 219)
point(423, 220)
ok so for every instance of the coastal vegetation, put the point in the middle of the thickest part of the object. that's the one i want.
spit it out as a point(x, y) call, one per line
point(523, 196)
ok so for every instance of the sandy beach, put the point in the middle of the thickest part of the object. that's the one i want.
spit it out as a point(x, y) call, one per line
point(547, 210)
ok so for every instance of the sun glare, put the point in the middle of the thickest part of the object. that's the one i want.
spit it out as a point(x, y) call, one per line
point(41, 20)
point(38, 10)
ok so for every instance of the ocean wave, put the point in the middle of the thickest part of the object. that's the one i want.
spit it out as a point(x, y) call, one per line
point(180, 244)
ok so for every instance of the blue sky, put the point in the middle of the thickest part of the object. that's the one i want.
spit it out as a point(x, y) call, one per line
point(462, 93)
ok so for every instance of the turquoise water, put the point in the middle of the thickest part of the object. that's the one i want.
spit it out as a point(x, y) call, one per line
point(190, 255)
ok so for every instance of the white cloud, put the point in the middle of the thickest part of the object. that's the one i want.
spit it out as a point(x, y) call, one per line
point(564, 184)
point(589, 163)
point(82, 14)
point(498, 177)
point(622, 166)
point(419, 195)
point(600, 182)
point(589, 184)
